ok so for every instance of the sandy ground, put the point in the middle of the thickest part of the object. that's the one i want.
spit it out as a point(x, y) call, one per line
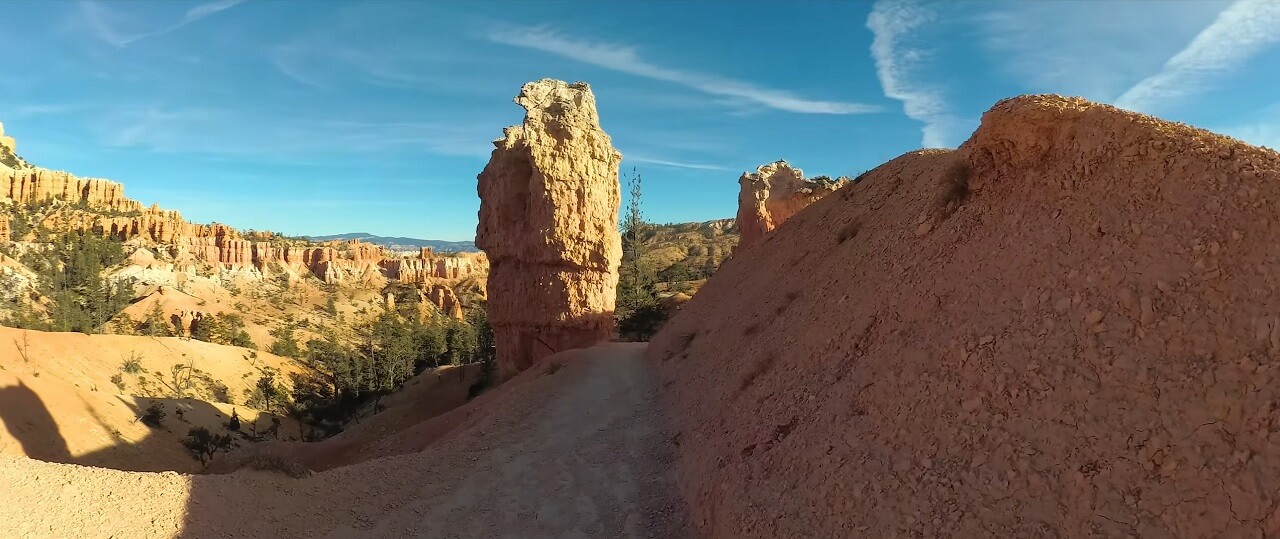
point(425, 409)
point(58, 403)
point(576, 448)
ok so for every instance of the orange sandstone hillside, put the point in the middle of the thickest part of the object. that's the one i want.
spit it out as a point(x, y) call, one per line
point(1066, 327)
point(59, 403)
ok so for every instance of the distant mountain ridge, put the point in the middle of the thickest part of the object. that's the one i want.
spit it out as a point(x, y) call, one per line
point(402, 244)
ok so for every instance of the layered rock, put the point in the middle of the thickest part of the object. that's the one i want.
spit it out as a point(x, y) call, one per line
point(223, 247)
point(444, 299)
point(548, 222)
point(35, 185)
point(5, 232)
point(100, 207)
point(8, 153)
point(428, 266)
point(408, 270)
point(773, 193)
point(154, 225)
point(6, 141)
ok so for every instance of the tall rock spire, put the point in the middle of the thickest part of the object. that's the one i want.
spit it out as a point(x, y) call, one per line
point(549, 224)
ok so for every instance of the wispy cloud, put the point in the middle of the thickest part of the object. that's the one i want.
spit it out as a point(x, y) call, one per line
point(1070, 48)
point(625, 58)
point(673, 164)
point(40, 109)
point(892, 23)
point(240, 135)
point(1241, 31)
point(287, 61)
point(328, 62)
point(105, 23)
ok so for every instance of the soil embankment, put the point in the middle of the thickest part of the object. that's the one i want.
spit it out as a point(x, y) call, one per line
point(1065, 328)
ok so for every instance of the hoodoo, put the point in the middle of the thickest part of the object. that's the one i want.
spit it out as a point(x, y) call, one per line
point(774, 193)
point(548, 223)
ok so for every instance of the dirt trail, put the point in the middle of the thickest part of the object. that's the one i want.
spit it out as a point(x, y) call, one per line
point(578, 450)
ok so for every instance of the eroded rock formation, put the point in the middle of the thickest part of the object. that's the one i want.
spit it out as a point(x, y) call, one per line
point(35, 185)
point(444, 299)
point(100, 207)
point(548, 223)
point(773, 193)
point(8, 153)
point(428, 266)
point(7, 141)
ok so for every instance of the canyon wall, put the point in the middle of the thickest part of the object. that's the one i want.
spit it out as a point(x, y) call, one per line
point(772, 194)
point(444, 299)
point(101, 207)
point(35, 185)
point(9, 159)
point(224, 247)
point(6, 141)
point(428, 266)
point(548, 223)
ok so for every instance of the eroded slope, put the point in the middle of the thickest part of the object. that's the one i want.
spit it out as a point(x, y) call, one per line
point(1064, 328)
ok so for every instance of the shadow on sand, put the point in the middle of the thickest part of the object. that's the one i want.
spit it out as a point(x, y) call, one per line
point(27, 420)
point(575, 446)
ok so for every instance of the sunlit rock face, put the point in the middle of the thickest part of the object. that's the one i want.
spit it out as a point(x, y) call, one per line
point(548, 222)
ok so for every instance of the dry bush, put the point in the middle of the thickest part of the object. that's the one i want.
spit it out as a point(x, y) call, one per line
point(955, 188)
point(276, 463)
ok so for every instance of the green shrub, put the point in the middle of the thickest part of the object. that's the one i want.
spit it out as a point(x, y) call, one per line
point(203, 444)
point(643, 323)
point(154, 415)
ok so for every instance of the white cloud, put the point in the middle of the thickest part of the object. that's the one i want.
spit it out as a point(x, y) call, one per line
point(1241, 31)
point(624, 58)
point(673, 164)
point(232, 134)
point(1072, 48)
point(41, 109)
point(105, 23)
point(326, 62)
point(892, 24)
point(288, 60)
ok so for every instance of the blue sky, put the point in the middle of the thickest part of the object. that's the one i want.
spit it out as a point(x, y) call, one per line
point(330, 117)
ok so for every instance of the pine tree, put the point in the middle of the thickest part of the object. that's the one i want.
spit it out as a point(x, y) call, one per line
point(636, 278)
point(157, 325)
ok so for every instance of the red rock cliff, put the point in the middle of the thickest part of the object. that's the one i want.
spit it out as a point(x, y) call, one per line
point(445, 300)
point(5, 141)
point(772, 194)
point(548, 223)
point(427, 266)
point(29, 186)
point(109, 213)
